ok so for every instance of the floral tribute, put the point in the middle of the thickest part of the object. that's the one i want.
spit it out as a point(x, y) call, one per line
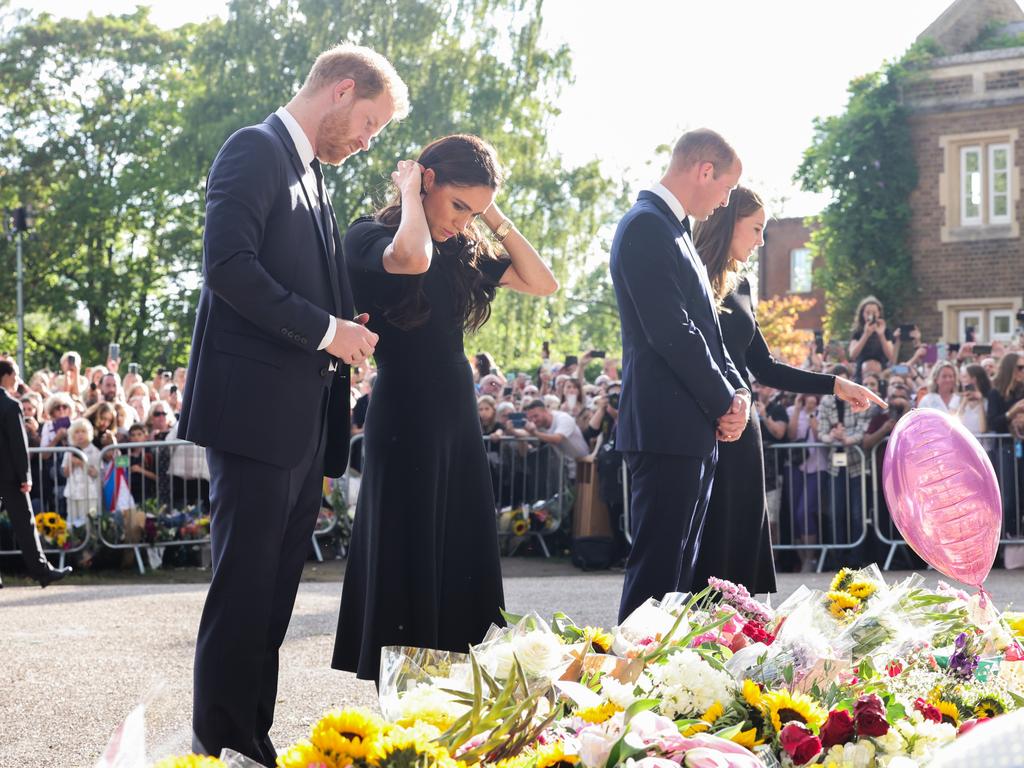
point(864, 674)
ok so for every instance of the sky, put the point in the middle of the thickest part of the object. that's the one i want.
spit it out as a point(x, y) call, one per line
point(646, 70)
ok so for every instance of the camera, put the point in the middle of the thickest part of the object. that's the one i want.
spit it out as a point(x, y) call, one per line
point(613, 399)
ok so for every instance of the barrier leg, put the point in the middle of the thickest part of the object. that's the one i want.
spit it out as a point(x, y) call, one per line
point(821, 560)
point(138, 561)
point(543, 545)
point(888, 560)
point(316, 550)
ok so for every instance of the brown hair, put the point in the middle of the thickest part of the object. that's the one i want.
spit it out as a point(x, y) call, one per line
point(1003, 382)
point(981, 379)
point(713, 240)
point(462, 161)
point(858, 318)
point(703, 146)
point(373, 74)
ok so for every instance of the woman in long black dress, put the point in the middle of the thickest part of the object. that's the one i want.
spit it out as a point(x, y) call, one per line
point(736, 543)
point(424, 567)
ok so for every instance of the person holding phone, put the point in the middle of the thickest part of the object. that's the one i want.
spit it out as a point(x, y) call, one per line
point(737, 535)
point(870, 337)
point(424, 567)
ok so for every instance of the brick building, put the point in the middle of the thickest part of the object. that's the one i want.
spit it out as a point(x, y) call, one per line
point(966, 117)
point(784, 267)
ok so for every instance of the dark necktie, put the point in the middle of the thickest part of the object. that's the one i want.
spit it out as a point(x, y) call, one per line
point(327, 228)
point(686, 226)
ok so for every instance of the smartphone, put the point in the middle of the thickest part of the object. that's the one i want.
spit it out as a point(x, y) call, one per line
point(953, 347)
point(901, 369)
point(133, 368)
point(62, 423)
point(931, 354)
point(819, 343)
point(506, 391)
point(982, 349)
point(906, 330)
point(597, 354)
point(517, 419)
point(114, 353)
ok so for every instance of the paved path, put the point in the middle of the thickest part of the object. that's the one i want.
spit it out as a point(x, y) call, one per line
point(76, 658)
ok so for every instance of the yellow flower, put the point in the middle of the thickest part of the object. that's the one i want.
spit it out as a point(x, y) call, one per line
point(861, 589)
point(989, 706)
point(301, 755)
point(191, 761)
point(345, 735)
point(748, 739)
point(950, 712)
point(752, 693)
point(785, 707)
point(598, 714)
point(413, 746)
point(840, 602)
point(714, 712)
point(840, 579)
point(555, 756)
point(600, 640)
point(520, 527)
point(1015, 621)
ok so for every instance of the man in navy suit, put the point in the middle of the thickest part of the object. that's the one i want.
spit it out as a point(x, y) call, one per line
point(680, 391)
point(275, 316)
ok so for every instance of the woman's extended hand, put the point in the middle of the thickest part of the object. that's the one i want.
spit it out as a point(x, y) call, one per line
point(859, 397)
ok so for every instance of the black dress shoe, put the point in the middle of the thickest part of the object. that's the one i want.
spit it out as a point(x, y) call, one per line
point(53, 574)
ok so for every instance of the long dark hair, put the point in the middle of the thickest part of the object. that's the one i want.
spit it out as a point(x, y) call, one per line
point(713, 239)
point(980, 378)
point(1004, 382)
point(463, 161)
point(857, 329)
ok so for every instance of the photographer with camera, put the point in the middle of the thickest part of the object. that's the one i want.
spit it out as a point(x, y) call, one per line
point(870, 338)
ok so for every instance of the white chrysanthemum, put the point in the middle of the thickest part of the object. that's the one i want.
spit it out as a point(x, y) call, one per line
point(688, 686)
point(428, 704)
point(621, 695)
point(930, 737)
point(860, 754)
point(540, 653)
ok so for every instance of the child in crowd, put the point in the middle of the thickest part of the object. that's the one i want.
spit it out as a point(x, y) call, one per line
point(81, 490)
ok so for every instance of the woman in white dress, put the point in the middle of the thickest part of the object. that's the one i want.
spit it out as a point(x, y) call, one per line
point(943, 395)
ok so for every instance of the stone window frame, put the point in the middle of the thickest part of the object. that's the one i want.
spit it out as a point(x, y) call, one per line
point(950, 310)
point(951, 186)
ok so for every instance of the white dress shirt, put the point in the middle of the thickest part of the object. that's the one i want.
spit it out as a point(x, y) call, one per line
point(306, 156)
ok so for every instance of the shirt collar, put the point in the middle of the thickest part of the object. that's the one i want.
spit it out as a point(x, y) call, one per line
point(670, 200)
point(299, 138)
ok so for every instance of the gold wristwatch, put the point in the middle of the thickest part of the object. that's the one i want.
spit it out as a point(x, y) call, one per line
point(502, 230)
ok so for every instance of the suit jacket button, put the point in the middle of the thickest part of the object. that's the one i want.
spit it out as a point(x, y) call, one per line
point(284, 331)
point(304, 340)
point(324, 371)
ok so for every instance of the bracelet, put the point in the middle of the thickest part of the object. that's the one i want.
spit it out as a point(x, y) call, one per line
point(502, 230)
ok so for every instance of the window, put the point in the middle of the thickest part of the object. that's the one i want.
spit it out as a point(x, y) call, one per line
point(999, 183)
point(979, 187)
point(1000, 325)
point(970, 186)
point(970, 326)
point(800, 270)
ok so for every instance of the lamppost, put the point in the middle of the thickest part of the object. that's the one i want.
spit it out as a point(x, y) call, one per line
point(17, 224)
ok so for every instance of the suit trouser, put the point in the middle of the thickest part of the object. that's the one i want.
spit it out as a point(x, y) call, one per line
point(261, 521)
point(19, 510)
point(668, 504)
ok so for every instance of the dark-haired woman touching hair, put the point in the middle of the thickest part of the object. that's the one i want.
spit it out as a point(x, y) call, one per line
point(736, 544)
point(424, 568)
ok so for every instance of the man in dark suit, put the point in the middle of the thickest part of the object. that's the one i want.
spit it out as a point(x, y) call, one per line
point(680, 391)
point(16, 481)
point(275, 315)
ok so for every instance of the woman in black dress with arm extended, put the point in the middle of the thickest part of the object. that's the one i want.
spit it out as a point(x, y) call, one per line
point(736, 543)
point(424, 568)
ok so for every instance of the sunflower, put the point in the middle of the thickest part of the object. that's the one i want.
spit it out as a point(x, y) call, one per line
point(598, 714)
point(989, 706)
point(861, 589)
point(555, 756)
point(841, 579)
point(1015, 621)
point(748, 739)
point(301, 755)
point(785, 707)
point(600, 640)
point(841, 602)
point(413, 746)
point(714, 712)
point(752, 693)
point(191, 761)
point(345, 735)
point(950, 712)
point(520, 527)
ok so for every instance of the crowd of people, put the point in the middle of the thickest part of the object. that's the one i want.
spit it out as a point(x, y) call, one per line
point(814, 499)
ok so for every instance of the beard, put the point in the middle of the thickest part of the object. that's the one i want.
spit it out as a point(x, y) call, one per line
point(334, 141)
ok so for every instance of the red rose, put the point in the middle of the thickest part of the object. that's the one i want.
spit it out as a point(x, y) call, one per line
point(838, 729)
point(893, 668)
point(799, 743)
point(928, 711)
point(869, 713)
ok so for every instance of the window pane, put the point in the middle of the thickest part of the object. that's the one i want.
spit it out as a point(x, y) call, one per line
point(999, 208)
point(970, 186)
point(999, 183)
point(1001, 324)
point(999, 157)
point(972, 161)
point(800, 271)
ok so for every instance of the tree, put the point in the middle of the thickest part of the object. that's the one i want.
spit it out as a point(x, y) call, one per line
point(864, 157)
point(777, 319)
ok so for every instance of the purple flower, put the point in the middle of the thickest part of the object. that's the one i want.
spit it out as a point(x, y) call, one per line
point(962, 664)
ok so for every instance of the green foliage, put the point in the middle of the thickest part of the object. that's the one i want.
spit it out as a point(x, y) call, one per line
point(108, 127)
point(993, 36)
point(864, 157)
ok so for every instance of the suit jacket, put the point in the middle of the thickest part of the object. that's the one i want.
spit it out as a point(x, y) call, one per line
point(272, 280)
point(14, 465)
point(677, 377)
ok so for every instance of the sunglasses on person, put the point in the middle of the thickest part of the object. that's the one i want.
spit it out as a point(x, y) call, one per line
point(159, 413)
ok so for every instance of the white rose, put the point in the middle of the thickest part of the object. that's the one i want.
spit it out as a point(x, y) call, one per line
point(538, 652)
point(498, 659)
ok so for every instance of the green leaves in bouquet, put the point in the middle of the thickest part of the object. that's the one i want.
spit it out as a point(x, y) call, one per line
point(511, 618)
point(508, 713)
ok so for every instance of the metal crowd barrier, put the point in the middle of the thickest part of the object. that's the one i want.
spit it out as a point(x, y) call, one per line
point(1004, 452)
point(345, 490)
point(47, 495)
point(531, 489)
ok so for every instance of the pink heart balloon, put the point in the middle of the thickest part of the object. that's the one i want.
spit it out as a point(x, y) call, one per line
point(943, 494)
